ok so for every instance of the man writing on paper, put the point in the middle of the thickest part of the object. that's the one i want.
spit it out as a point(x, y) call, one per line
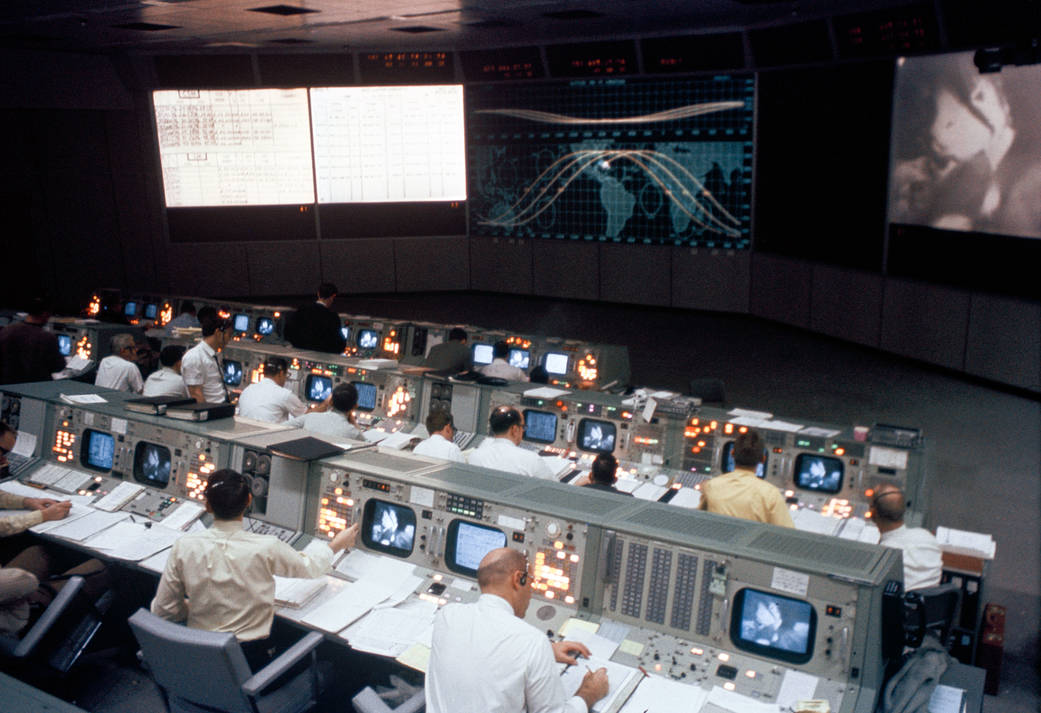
point(485, 658)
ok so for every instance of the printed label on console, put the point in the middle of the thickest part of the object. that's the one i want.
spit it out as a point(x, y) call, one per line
point(785, 580)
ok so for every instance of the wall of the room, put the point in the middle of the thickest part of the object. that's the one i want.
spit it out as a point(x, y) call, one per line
point(83, 198)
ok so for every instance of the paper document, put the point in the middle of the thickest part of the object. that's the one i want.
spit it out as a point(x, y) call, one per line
point(26, 491)
point(393, 630)
point(599, 647)
point(119, 496)
point(294, 592)
point(649, 491)
point(396, 440)
point(738, 702)
point(132, 541)
point(75, 513)
point(796, 686)
point(747, 413)
point(545, 392)
point(946, 699)
point(662, 695)
point(83, 398)
point(374, 435)
point(25, 444)
point(416, 656)
point(354, 601)
point(783, 426)
point(687, 498)
point(617, 676)
point(77, 363)
point(185, 514)
point(967, 543)
point(87, 526)
point(817, 431)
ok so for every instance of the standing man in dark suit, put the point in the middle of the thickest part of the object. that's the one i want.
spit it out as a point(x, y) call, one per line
point(316, 326)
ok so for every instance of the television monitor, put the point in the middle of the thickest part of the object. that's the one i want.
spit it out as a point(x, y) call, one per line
point(482, 354)
point(596, 436)
point(318, 388)
point(241, 323)
point(152, 464)
point(232, 372)
point(265, 326)
point(540, 426)
point(98, 450)
point(820, 473)
point(727, 465)
point(773, 626)
point(65, 344)
point(467, 543)
point(555, 363)
point(130, 309)
point(520, 358)
point(346, 332)
point(366, 395)
point(389, 528)
point(368, 339)
point(151, 310)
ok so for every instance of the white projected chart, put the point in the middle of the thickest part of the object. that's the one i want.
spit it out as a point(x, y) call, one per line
point(234, 147)
point(383, 144)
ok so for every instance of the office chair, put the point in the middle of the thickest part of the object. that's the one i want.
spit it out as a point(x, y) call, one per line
point(206, 672)
point(708, 390)
point(931, 610)
point(367, 701)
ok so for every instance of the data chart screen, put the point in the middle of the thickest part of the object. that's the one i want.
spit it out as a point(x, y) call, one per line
point(665, 162)
point(234, 147)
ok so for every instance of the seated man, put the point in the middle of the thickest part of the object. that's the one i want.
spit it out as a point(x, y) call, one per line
point(186, 318)
point(315, 326)
point(223, 579)
point(740, 493)
point(604, 474)
point(452, 356)
point(119, 370)
point(167, 379)
point(269, 399)
point(439, 445)
point(484, 657)
point(923, 559)
point(335, 417)
point(503, 451)
point(500, 368)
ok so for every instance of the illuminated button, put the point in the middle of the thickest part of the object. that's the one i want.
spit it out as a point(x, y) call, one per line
point(569, 599)
point(723, 657)
point(750, 673)
point(574, 558)
point(558, 545)
point(438, 577)
point(729, 685)
point(697, 651)
point(657, 667)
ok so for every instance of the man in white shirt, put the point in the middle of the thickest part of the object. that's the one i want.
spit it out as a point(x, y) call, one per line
point(439, 445)
point(923, 559)
point(334, 417)
point(503, 451)
point(118, 370)
point(167, 379)
point(223, 578)
point(200, 368)
point(500, 368)
point(269, 399)
point(485, 657)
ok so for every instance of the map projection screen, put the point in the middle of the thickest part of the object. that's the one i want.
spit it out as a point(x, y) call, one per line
point(666, 162)
point(389, 144)
point(238, 147)
point(966, 147)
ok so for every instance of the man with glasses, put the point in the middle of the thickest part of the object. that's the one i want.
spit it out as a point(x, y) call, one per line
point(503, 451)
point(119, 370)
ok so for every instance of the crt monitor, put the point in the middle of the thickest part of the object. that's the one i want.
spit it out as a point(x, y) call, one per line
point(820, 473)
point(240, 323)
point(727, 464)
point(520, 358)
point(773, 626)
point(151, 310)
point(130, 309)
point(596, 436)
point(368, 339)
point(388, 527)
point(265, 326)
point(366, 395)
point(482, 354)
point(467, 543)
point(540, 426)
point(98, 450)
point(152, 464)
point(232, 372)
point(318, 388)
point(555, 363)
point(65, 344)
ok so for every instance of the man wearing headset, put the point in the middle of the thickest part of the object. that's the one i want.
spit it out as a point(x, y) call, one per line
point(503, 451)
point(923, 559)
point(484, 657)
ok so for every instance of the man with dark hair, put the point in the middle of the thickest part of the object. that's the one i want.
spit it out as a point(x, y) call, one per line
point(439, 445)
point(119, 370)
point(923, 559)
point(740, 493)
point(199, 366)
point(500, 368)
point(269, 399)
point(604, 474)
point(485, 657)
point(503, 452)
point(186, 318)
point(167, 379)
point(335, 416)
point(223, 578)
point(452, 356)
point(28, 352)
point(315, 326)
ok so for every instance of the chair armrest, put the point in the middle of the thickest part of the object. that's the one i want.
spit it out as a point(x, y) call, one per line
point(54, 610)
point(289, 658)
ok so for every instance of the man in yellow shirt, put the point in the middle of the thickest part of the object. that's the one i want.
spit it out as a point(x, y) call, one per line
point(740, 493)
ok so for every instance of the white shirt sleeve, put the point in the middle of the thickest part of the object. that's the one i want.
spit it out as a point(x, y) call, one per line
point(543, 689)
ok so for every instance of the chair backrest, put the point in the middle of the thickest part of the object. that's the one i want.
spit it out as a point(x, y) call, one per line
point(933, 609)
point(47, 632)
point(708, 390)
point(198, 670)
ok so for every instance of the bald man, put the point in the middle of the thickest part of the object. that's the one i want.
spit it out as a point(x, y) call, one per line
point(923, 559)
point(486, 658)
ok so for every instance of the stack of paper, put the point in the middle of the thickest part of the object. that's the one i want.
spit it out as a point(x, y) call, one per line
point(294, 592)
point(390, 631)
point(119, 496)
point(974, 544)
point(133, 541)
point(618, 676)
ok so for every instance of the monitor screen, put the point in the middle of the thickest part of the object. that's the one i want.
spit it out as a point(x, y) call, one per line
point(596, 436)
point(820, 473)
point(366, 395)
point(368, 339)
point(346, 332)
point(482, 354)
point(467, 543)
point(232, 372)
point(390, 528)
point(151, 310)
point(152, 464)
point(65, 344)
point(555, 363)
point(774, 626)
point(241, 323)
point(540, 426)
point(98, 450)
point(727, 465)
point(318, 387)
point(130, 309)
point(265, 326)
point(520, 358)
